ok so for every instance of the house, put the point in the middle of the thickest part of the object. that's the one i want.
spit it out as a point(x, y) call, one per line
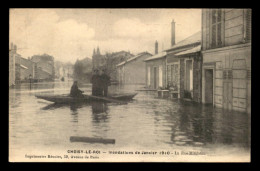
point(183, 68)
point(42, 75)
point(132, 71)
point(155, 69)
point(25, 69)
point(226, 49)
point(109, 61)
point(178, 68)
point(44, 63)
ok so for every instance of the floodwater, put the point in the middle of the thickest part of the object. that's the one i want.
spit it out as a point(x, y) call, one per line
point(145, 122)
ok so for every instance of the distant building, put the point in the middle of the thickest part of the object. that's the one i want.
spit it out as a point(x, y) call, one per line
point(109, 61)
point(64, 70)
point(132, 71)
point(226, 49)
point(58, 66)
point(82, 69)
point(26, 69)
point(12, 54)
point(36, 68)
point(45, 66)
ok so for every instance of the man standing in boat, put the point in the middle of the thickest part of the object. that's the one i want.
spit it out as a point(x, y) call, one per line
point(105, 82)
point(96, 83)
point(75, 91)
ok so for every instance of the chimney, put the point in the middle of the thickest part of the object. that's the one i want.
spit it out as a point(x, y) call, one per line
point(173, 33)
point(156, 47)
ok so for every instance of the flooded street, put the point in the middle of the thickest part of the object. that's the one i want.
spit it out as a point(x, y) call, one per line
point(146, 122)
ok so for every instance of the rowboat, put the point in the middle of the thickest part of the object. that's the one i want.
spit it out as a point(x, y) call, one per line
point(117, 98)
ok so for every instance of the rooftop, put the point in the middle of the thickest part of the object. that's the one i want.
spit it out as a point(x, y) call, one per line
point(133, 58)
point(189, 51)
point(157, 56)
point(195, 38)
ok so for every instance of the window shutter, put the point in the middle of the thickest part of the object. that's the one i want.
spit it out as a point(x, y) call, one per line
point(225, 74)
point(219, 35)
point(219, 15)
point(214, 28)
point(249, 74)
point(169, 74)
point(230, 74)
point(214, 13)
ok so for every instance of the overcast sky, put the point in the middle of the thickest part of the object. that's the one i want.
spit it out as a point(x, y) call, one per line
point(71, 34)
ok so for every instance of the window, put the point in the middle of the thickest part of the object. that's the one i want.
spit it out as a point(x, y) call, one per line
point(227, 74)
point(148, 76)
point(248, 24)
point(169, 75)
point(173, 76)
point(160, 76)
point(216, 28)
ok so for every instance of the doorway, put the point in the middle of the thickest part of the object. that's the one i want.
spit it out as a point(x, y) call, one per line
point(209, 86)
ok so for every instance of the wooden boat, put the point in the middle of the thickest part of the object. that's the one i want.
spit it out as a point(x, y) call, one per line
point(118, 98)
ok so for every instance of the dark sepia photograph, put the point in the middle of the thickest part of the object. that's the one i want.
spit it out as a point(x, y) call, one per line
point(129, 85)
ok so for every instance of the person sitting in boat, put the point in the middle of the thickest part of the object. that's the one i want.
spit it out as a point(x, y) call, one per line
point(95, 80)
point(75, 91)
point(105, 79)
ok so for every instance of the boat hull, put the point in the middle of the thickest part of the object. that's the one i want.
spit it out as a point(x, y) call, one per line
point(85, 98)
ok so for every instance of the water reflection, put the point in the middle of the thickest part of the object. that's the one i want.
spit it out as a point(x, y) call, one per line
point(74, 112)
point(99, 111)
point(143, 122)
point(199, 125)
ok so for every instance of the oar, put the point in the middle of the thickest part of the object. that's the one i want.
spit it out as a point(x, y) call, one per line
point(106, 99)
